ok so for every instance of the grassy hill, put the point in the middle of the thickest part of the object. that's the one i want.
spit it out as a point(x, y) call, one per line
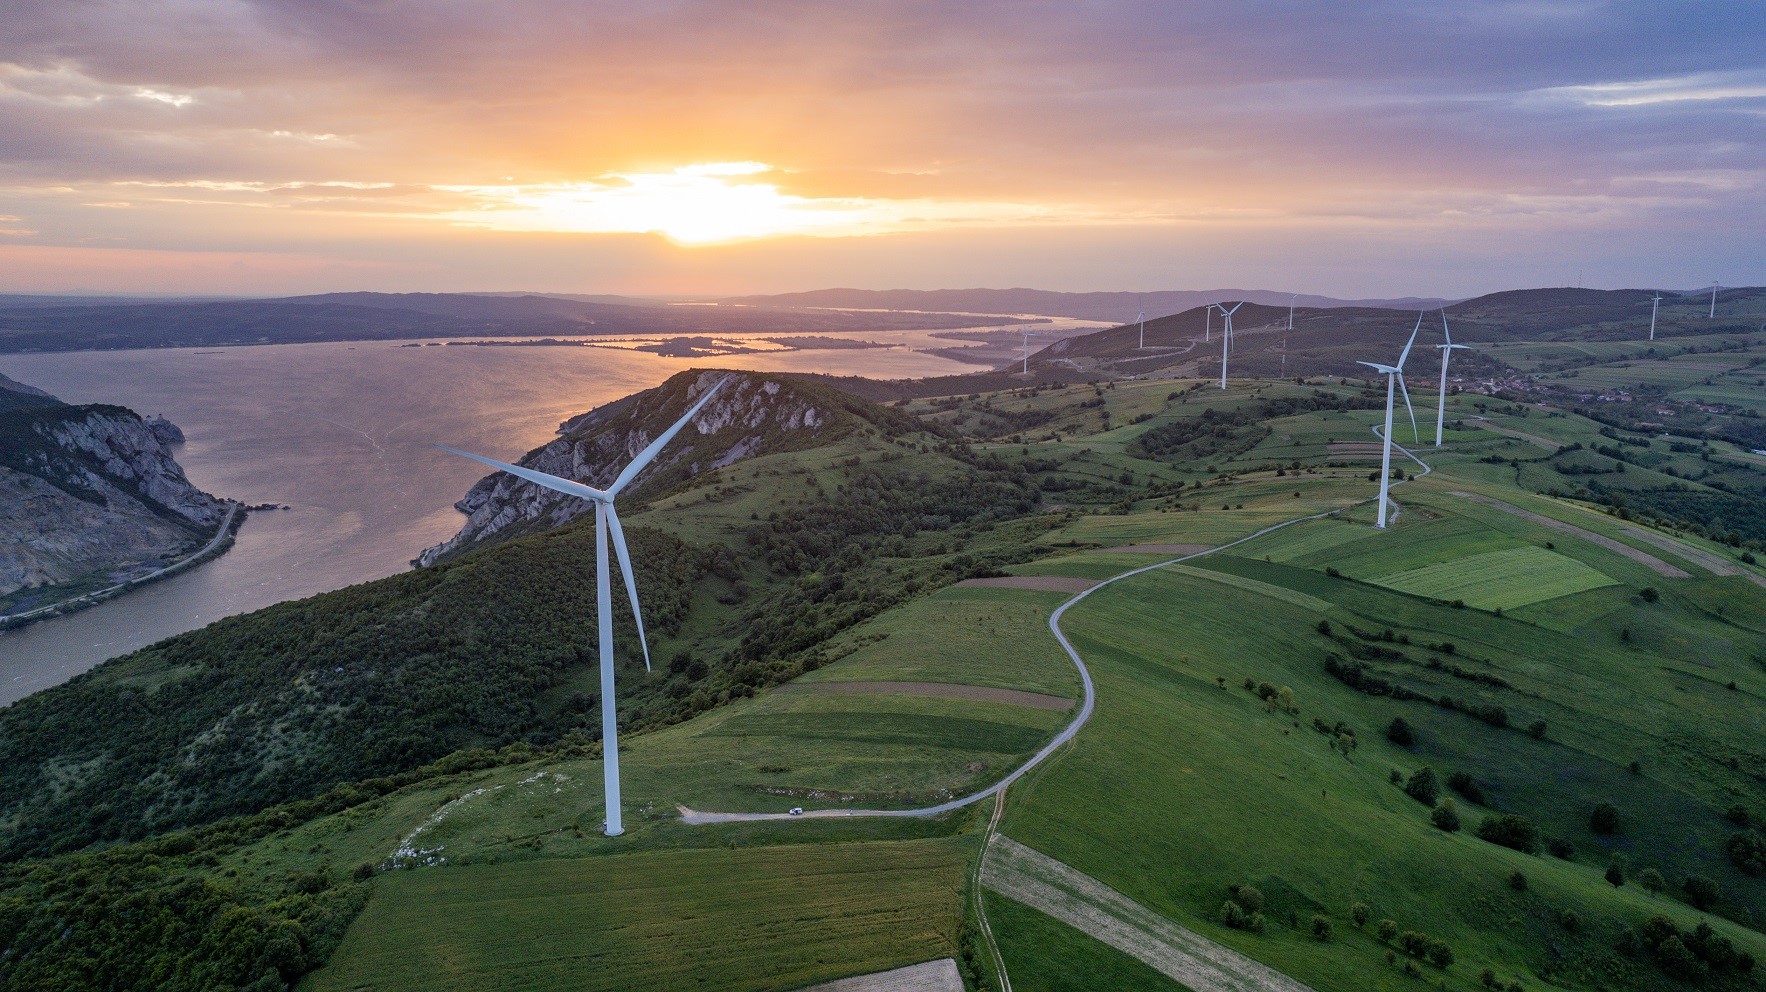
point(1263, 719)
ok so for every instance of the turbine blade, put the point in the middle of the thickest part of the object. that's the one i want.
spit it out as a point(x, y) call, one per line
point(631, 585)
point(1415, 435)
point(1406, 352)
point(549, 481)
point(637, 465)
point(1444, 330)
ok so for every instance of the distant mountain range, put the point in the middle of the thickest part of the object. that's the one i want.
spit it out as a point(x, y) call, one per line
point(1086, 306)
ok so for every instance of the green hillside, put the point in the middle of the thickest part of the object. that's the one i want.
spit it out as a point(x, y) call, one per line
point(1581, 681)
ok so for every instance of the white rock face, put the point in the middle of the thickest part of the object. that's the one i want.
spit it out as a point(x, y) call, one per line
point(100, 493)
point(751, 415)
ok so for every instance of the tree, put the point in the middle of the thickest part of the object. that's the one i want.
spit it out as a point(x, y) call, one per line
point(1604, 820)
point(1440, 955)
point(1399, 732)
point(1701, 891)
point(1321, 926)
point(1387, 930)
point(1615, 874)
point(1359, 913)
point(1748, 851)
point(1510, 830)
point(1249, 897)
point(1649, 594)
point(1422, 786)
point(1517, 880)
point(1445, 816)
point(1466, 786)
point(1651, 879)
point(1537, 729)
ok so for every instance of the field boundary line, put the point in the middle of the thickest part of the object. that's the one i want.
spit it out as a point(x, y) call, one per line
point(1064, 893)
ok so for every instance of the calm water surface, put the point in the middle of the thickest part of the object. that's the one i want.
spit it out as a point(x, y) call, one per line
point(343, 433)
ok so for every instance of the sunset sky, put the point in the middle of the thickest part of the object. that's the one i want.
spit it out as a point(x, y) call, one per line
point(282, 146)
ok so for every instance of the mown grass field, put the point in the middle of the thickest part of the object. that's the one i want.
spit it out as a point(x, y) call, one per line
point(1496, 580)
point(749, 919)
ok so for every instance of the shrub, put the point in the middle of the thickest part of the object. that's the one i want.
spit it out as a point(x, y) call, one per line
point(1414, 943)
point(1604, 820)
point(1445, 816)
point(1748, 851)
point(1396, 777)
point(1561, 848)
point(1399, 732)
point(1232, 915)
point(1249, 897)
point(1537, 729)
point(1466, 786)
point(1487, 978)
point(1701, 891)
point(1440, 955)
point(1324, 627)
point(1675, 959)
point(1256, 923)
point(1359, 913)
point(1422, 786)
point(1649, 594)
point(1615, 874)
point(1518, 881)
point(1387, 930)
point(1651, 879)
point(1569, 920)
point(1510, 830)
point(1321, 926)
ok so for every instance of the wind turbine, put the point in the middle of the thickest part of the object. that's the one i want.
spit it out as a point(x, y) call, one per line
point(1226, 337)
point(1654, 305)
point(1713, 312)
point(1208, 321)
point(1291, 301)
point(607, 522)
point(1027, 336)
point(1446, 353)
point(1393, 373)
point(1143, 320)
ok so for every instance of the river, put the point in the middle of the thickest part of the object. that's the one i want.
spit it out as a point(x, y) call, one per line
point(344, 433)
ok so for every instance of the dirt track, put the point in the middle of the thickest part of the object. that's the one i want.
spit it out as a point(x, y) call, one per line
point(1045, 583)
point(933, 976)
point(936, 690)
point(1657, 565)
point(1093, 908)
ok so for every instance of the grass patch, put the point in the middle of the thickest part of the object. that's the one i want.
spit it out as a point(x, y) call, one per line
point(1501, 579)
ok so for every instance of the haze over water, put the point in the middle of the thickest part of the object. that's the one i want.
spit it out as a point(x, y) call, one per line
point(344, 434)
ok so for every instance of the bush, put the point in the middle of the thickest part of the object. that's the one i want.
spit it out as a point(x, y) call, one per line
point(1518, 881)
point(1701, 891)
point(1651, 879)
point(1510, 830)
point(1414, 943)
point(1440, 955)
point(1359, 913)
point(1615, 873)
point(1569, 920)
point(1537, 730)
point(1604, 820)
point(1739, 816)
point(1249, 897)
point(1387, 930)
point(1466, 786)
point(1561, 848)
point(1748, 852)
point(1399, 732)
point(1445, 816)
point(1422, 786)
point(1321, 926)
point(1256, 923)
point(1649, 594)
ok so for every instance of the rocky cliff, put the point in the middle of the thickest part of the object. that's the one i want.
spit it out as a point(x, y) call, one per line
point(753, 414)
point(90, 492)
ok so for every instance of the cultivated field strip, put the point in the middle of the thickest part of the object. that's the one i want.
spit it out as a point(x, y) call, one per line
point(1093, 908)
point(1655, 564)
point(932, 976)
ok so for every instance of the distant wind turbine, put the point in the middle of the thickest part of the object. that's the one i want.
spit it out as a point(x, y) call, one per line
point(1393, 373)
point(1446, 353)
point(1143, 320)
point(1291, 301)
point(1208, 321)
point(1654, 305)
point(607, 522)
point(1713, 312)
point(1027, 336)
point(1226, 338)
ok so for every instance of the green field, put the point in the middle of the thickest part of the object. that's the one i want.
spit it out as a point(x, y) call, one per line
point(761, 918)
point(1497, 580)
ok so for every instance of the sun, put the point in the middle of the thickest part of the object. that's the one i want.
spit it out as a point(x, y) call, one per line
point(702, 204)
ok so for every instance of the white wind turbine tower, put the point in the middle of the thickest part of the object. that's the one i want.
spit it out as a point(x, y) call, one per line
point(1143, 319)
point(607, 522)
point(1027, 336)
point(1208, 321)
point(1393, 373)
point(1654, 305)
point(1441, 401)
point(1291, 301)
point(1713, 312)
point(1226, 337)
